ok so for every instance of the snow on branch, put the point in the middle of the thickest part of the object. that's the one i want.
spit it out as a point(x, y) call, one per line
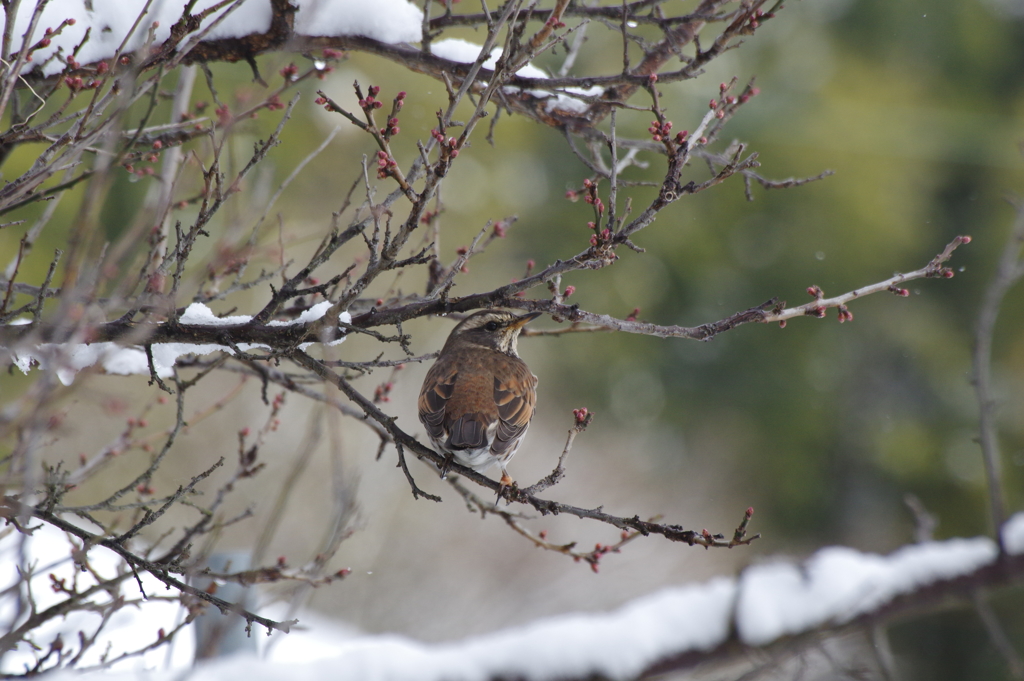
point(117, 347)
point(771, 604)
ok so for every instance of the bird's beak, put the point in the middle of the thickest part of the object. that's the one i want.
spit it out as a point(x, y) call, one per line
point(524, 320)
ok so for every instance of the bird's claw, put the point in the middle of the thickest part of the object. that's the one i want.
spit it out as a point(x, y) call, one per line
point(505, 483)
point(447, 464)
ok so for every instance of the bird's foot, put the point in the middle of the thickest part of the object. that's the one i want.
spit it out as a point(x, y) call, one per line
point(447, 464)
point(506, 482)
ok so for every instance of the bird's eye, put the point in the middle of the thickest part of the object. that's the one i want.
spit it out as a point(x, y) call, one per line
point(491, 326)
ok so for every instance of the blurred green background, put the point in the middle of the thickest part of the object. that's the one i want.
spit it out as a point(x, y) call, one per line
point(918, 107)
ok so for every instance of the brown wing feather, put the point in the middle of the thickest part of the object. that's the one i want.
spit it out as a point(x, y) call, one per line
point(516, 398)
point(438, 388)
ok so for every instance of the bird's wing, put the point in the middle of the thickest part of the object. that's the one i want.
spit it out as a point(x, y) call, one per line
point(515, 397)
point(437, 390)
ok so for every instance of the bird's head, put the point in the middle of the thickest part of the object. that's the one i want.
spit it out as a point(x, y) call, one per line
point(494, 329)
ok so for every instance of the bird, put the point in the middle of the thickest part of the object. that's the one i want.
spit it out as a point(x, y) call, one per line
point(478, 398)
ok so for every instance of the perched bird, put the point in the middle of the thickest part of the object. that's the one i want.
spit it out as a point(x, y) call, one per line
point(477, 400)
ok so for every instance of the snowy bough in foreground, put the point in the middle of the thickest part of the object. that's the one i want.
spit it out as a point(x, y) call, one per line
point(769, 603)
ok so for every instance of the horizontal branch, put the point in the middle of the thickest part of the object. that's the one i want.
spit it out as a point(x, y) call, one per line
point(282, 338)
point(934, 269)
point(144, 333)
point(770, 311)
point(941, 593)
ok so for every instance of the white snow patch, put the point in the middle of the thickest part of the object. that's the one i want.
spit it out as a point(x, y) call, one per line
point(566, 102)
point(457, 49)
point(1013, 534)
point(197, 313)
point(617, 645)
point(466, 52)
point(68, 360)
point(133, 627)
point(389, 21)
point(837, 584)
